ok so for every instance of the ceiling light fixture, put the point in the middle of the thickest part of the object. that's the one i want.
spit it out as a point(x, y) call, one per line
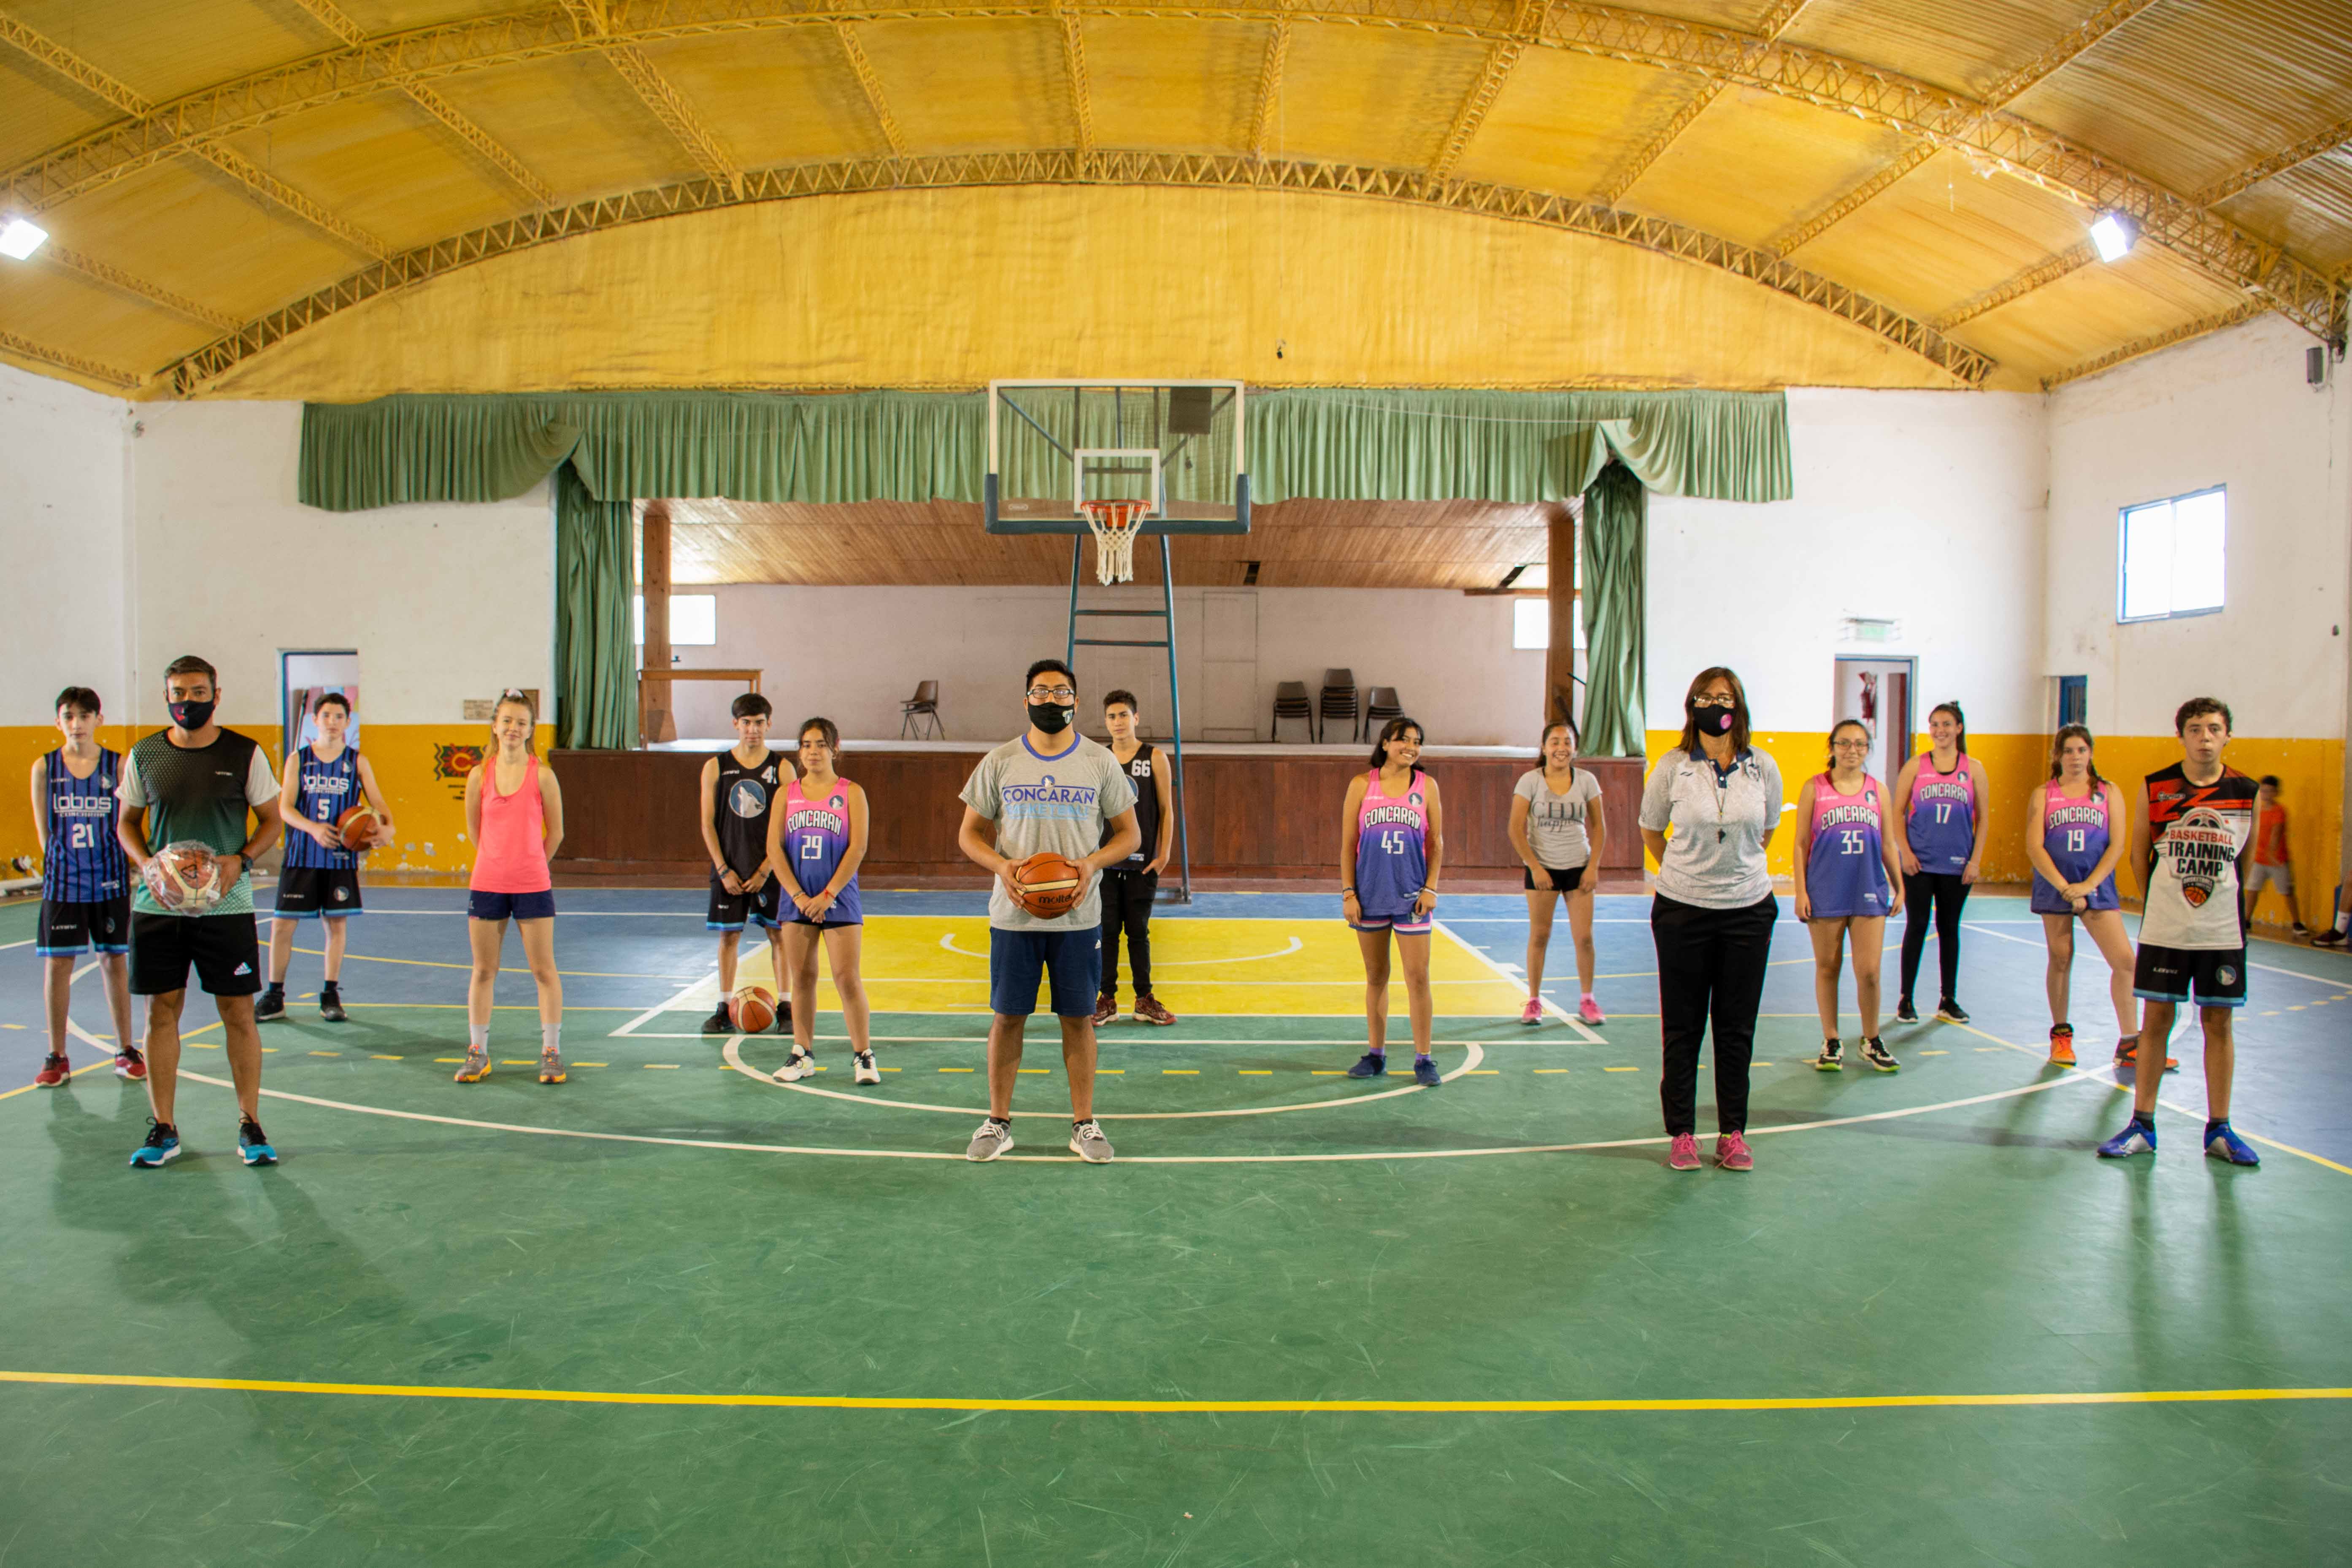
point(2114, 233)
point(20, 238)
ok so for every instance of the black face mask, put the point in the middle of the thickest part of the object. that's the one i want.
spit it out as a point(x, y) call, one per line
point(192, 716)
point(1050, 717)
point(1712, 721)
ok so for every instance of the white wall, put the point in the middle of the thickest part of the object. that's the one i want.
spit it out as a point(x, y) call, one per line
point(1923, 507)
point(2231, 409)
point(443, 602)
point(853, 654)
point(62, 484)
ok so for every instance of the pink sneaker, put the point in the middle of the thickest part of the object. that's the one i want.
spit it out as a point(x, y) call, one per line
point(1589, 1010)
point(1684, 1155)
point(1731, 1152)
point(1532, 1014)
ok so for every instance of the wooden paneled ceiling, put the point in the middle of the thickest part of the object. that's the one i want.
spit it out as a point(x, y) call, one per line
point(218, 175)
point(1295, 544)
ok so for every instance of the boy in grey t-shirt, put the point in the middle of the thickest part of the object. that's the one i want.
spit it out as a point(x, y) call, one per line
point(1050, 789)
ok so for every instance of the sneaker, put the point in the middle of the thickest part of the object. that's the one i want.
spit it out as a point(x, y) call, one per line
point(331, 1006)
point(801, 1064)
point(720, 1022)
point(2137, 1138)
point(2222, 1144)
point(1589, 1012)
point(162, 1145)
point(1424, 1073)
point(130, 1064)
point(55, 1071)
point(1088, 1142)
point(1684, 1155)
point(1874, 1052)
point(551, 1065)
point(270, 1007)
point(1532, 1014)
point(1105, 1009)
point(476, 1068)
point(1832, 1058)
point(2128, 1050)
point(1371, 1063)
point(2062, 1044)
point(1951, 1012)
point(1904, 1012)
point(1731, 1153)
point(2301, 929)
point(2329, 938)
point(993, 1138)
point(1148, 1010)
point(253, 1144)
point(866, 1071)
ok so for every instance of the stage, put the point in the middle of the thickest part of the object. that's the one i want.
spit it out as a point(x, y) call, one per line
point(1254, 813)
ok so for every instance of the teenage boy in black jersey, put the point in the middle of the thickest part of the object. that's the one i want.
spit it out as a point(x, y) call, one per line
point(739, 787)
point(1130, 887)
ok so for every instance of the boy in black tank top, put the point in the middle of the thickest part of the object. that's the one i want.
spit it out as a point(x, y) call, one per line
point(1128, 888)
point(740, 786)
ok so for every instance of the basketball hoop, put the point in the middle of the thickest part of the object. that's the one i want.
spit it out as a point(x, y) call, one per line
point(1115, 523)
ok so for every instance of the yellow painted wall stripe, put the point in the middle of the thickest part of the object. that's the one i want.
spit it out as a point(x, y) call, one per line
point(1177, 1406)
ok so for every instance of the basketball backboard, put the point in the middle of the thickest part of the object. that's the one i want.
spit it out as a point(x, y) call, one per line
point(1178, 444)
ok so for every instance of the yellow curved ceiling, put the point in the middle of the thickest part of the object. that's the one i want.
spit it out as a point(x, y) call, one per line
point(340, 198)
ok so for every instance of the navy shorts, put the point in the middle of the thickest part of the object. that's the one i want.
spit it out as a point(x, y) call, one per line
point(68, 928)
point(733, 912)
point(314, 892)
point(2211, 976)
point(1072, 960)
point(539, 906)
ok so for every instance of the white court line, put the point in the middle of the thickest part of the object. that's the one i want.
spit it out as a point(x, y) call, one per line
point(28, 942)
point(1562, 1014)
point(735, 1060)
point(2265, 968)
point(1143, 1159)
point(658, 1009)
point(947, 941)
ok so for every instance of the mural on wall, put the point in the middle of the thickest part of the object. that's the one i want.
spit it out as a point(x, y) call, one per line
point(452, 763)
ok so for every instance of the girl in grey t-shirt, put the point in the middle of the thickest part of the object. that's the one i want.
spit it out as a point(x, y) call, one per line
point(1556, 827)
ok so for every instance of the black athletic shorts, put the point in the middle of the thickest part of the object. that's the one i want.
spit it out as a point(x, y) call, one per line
point(1561, 881)
point(2214, 976)
point(315, 893)
point(225, 949)
point(731, 912)
point(68, 928)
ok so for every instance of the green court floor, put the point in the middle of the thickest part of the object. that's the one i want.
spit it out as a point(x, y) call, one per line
point(672, 1311)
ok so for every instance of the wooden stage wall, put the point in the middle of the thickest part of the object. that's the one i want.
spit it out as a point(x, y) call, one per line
point(1250, 815)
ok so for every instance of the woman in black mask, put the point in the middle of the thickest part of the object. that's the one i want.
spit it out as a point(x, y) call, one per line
point(1713, 911)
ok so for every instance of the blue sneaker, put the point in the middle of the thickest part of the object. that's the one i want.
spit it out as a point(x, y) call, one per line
point(2223, 1143)
point(162, 1145)
point(1424, 1073)
point(253, 1143)
point(2138, 1137)
point(1371, 1063)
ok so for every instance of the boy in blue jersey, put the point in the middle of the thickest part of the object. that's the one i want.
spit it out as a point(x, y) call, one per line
point(85, 880)
point(321, 879)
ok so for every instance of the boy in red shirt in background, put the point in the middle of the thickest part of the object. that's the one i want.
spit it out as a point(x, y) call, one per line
point(2272, 863)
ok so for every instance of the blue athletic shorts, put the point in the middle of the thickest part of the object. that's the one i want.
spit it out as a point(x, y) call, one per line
point(539, 906)
point(1072, 960)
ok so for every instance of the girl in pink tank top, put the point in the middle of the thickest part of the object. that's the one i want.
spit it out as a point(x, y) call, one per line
point(514, 813)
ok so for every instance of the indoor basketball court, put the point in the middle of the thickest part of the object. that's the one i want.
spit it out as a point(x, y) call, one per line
point(1654, 703)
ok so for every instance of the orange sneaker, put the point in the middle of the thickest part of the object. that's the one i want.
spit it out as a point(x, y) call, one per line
point(2062, 1044)
point(2128, 1050)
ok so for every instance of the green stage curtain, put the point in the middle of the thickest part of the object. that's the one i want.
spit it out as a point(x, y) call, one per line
point(1616, 555)
point(595, 639)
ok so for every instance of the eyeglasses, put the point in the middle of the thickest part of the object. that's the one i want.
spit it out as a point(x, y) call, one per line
point(1052, 694)
point(1850, 745)
point(1715, 702)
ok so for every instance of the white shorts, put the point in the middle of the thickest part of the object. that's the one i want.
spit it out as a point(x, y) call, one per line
point(2282, 876)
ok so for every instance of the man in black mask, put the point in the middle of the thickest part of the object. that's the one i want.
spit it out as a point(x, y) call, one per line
point(198, 783)
point(1049, 789)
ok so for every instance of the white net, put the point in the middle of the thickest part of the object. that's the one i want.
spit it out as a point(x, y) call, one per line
point(1115, 525)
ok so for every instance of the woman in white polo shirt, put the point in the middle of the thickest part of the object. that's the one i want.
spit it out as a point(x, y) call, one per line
point(1713, 911)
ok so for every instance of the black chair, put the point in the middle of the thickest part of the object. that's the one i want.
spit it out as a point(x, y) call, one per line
point(924, 704)
point(1380, 707)
point(1290, 703)
point(1338, 699)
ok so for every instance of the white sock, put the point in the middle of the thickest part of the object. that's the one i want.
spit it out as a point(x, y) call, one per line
point(478, 1036)
point(551, 1036)
point(2344, 922)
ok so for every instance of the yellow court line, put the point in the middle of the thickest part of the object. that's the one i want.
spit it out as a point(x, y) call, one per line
point(1180, 1407)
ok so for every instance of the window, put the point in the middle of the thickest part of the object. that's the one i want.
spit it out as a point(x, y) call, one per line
point(693, 620)
point(2170, 557)
point(1531, 623)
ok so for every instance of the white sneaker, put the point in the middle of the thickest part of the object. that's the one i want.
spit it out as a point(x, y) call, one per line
point(1088, 1142)
point(866, 1071)
point(801, 1064)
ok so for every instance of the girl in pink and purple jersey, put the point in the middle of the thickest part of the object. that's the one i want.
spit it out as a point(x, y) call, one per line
point(1940, 796)
point(818, 837)
point(2075, 830)
point(1846, 881)
point(1391, 845)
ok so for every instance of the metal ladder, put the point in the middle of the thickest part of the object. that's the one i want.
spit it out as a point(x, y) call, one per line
point(1182, 892)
